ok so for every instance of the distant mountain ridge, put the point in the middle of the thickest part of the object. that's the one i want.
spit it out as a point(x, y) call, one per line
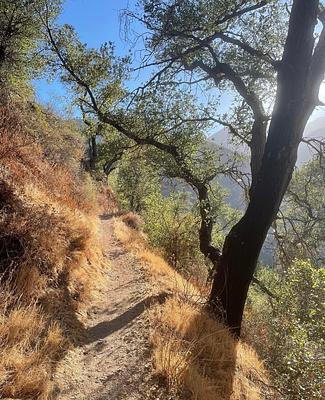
point(314, 129)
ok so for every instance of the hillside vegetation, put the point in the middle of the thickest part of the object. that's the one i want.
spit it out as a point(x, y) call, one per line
point(51, 265)
point(198, 357)
point(119, 241)
point(50, 258)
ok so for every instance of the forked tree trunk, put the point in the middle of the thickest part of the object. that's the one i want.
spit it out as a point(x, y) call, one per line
point(297, 96)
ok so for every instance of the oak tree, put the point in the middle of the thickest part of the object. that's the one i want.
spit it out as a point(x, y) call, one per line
point(242, 46)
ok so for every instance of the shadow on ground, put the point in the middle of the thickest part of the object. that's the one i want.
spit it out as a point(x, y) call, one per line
point(106, 328)
point(107, 216)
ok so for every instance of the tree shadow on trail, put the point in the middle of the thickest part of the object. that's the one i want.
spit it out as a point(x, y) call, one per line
point(106, 328)
point(108, 216)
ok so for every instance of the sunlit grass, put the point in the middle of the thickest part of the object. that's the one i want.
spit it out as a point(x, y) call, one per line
point(195, 354)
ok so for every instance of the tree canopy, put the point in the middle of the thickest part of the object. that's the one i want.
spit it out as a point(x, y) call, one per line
point(232, 45)
point(21, 34)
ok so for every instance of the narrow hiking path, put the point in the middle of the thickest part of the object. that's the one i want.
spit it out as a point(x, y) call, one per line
point(113, 363)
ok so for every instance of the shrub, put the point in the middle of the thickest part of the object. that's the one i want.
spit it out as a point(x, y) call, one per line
point(134, 180)
point(172, 226)
point(288, 332)
point(132, 220)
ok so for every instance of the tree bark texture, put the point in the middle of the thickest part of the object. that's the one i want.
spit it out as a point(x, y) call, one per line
point(294, 104)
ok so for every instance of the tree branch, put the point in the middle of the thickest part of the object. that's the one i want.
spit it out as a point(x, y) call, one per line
point(264, 288)
point(239, 12)
point(317, 67)
point(250, 50)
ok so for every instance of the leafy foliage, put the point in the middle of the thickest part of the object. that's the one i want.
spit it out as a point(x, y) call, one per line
point(225, 45)
point(169, 208)
point(288, 333)
point(85, 70)
point(20, 38)
point(301, 225)
point(134, 181)
point(172, 226)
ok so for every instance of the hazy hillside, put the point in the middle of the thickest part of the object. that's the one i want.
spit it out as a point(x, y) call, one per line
point(314, 129)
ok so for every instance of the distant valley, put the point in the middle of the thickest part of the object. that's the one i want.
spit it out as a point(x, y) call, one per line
point(315, 129)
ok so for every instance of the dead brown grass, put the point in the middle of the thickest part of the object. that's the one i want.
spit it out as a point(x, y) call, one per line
point(50, 258)
point(106, 200)
point(196, 355)
point(29, 345)
point(132, 220)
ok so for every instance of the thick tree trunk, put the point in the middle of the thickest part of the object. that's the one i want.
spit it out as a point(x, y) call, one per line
point(257, 146)
point(243, 244)
point(234, 275)
point(294, 103)
point(93, 153)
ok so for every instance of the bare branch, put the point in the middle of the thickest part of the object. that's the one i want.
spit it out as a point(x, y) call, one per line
point(239, 12)
point(264, 288)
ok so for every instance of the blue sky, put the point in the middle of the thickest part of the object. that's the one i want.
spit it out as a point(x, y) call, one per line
point(98, 21)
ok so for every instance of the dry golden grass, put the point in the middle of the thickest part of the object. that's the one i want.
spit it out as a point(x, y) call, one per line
point(164, 276)
point(29, 345)
point(50, 258)
point(195, 352)
point(196, 355)
point(132, 220)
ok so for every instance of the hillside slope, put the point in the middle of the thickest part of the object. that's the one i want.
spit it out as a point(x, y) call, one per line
point(50, 259)
point(87, 310)
point(113, 360)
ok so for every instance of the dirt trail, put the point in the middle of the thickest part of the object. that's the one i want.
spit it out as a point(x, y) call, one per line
point(114, 362)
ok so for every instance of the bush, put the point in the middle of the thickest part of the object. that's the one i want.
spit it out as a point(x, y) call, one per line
point(134, 180)
point(172, 226)
point(132, 220)
point(288, 331)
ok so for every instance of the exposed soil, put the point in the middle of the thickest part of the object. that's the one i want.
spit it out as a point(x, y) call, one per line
point(113, 362)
